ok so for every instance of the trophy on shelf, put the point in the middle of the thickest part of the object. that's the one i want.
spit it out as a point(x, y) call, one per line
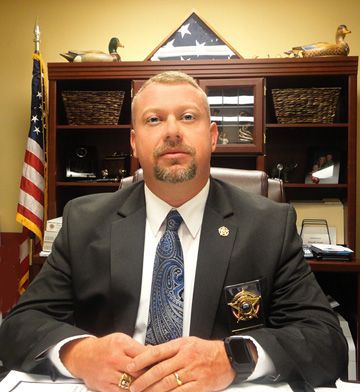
point(282, 171)
point(114, 167)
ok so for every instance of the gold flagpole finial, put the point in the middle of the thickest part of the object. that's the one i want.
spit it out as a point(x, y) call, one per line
point(37, 35)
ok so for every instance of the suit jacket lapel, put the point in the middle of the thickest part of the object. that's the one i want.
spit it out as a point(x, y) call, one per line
point(127, 249)
point(213, 260)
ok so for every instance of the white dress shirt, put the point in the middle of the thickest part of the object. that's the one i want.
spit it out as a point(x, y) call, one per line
point(189, 232)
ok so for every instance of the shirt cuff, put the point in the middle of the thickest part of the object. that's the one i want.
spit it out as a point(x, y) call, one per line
point(264, 366)
point(53, 353)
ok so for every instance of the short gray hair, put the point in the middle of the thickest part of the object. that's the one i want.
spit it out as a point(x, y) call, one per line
point(170, 77)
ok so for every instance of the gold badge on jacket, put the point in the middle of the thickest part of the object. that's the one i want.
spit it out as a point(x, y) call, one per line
point(244, 306)
point(224, 231)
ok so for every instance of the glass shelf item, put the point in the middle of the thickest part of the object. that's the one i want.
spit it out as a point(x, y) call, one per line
point(232, 110)
point(237, 106)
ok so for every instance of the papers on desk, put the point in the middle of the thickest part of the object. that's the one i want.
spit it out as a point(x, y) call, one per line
point(283, 387)
point(252, 387)
point(24, 382)
point(342, 387)
point(326, 248)
point(331, 252)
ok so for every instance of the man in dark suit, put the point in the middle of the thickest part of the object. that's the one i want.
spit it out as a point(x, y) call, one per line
point(246, 281)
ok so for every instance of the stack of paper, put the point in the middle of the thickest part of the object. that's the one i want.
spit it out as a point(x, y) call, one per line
point(331, 252)
point(53, 227)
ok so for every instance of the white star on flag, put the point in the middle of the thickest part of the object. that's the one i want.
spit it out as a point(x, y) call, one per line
point(184, 30)
point(200, 49)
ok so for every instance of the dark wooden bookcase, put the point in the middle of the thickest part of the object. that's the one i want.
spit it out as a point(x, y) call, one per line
point(272, 142)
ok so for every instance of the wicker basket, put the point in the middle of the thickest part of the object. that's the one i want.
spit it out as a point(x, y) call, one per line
point(306, 105)
point(93, 107)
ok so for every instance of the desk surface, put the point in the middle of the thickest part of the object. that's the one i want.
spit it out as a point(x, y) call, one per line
point(335, 266)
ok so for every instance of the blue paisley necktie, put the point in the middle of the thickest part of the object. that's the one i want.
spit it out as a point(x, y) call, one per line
point(167, 292)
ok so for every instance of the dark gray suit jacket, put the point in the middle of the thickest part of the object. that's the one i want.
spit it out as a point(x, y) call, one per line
point(91, 282)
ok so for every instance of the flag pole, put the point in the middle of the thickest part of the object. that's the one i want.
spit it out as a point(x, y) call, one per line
point(37, 35)
point(32, 234)
point(32, 196)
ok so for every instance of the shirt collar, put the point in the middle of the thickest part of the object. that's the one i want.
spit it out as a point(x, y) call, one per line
point(192, 211)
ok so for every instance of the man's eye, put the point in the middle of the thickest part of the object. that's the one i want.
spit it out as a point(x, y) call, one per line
point(188, 117)
point(153, 120)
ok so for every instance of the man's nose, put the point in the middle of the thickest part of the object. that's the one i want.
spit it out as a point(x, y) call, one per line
point(172, 129)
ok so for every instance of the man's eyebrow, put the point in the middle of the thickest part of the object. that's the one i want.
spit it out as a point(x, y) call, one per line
point(185, 106)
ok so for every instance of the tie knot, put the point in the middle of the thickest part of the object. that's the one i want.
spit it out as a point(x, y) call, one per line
point(173, 220)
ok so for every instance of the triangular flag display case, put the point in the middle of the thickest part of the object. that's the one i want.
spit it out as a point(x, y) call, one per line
point(194, 39)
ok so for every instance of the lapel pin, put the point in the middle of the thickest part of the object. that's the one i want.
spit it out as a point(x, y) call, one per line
point(224, 231)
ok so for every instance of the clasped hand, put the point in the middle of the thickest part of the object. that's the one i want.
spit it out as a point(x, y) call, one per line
point(200, 365)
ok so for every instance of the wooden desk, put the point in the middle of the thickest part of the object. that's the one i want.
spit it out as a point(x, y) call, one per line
point(335, 266)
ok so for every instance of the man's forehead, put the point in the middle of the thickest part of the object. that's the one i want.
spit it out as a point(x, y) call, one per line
point(168, 86)
point(157, 89)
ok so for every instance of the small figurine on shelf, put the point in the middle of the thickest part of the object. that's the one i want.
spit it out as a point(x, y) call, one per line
point(105, 173)
point(281, 171)
point(122, 173)
point(223, 138)
point(276, 171)
point(340, 48)
point(81, 56)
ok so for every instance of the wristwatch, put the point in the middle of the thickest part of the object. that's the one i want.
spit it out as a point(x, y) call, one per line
point(240, 357)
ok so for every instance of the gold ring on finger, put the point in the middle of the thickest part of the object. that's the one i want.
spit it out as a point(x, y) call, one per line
point(125, 381)
point(178, 380)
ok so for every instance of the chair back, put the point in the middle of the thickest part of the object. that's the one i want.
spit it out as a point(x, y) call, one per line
point(255, 181)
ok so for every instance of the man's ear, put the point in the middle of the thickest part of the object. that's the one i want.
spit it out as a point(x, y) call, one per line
point(214, 136)
point(132, 142)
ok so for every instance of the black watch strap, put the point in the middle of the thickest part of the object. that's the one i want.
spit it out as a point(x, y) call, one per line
point(240, 357)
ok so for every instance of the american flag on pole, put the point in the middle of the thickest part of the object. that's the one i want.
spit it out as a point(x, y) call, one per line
point(194, 40)
point(31, 206)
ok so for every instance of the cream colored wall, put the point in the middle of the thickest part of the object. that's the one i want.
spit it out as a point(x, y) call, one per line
point(251, 27)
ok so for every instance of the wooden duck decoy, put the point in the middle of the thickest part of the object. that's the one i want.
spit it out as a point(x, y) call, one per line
point(78, 56)
point(340, 48)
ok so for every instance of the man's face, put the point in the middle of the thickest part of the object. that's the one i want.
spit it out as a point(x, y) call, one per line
point(173, 137)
